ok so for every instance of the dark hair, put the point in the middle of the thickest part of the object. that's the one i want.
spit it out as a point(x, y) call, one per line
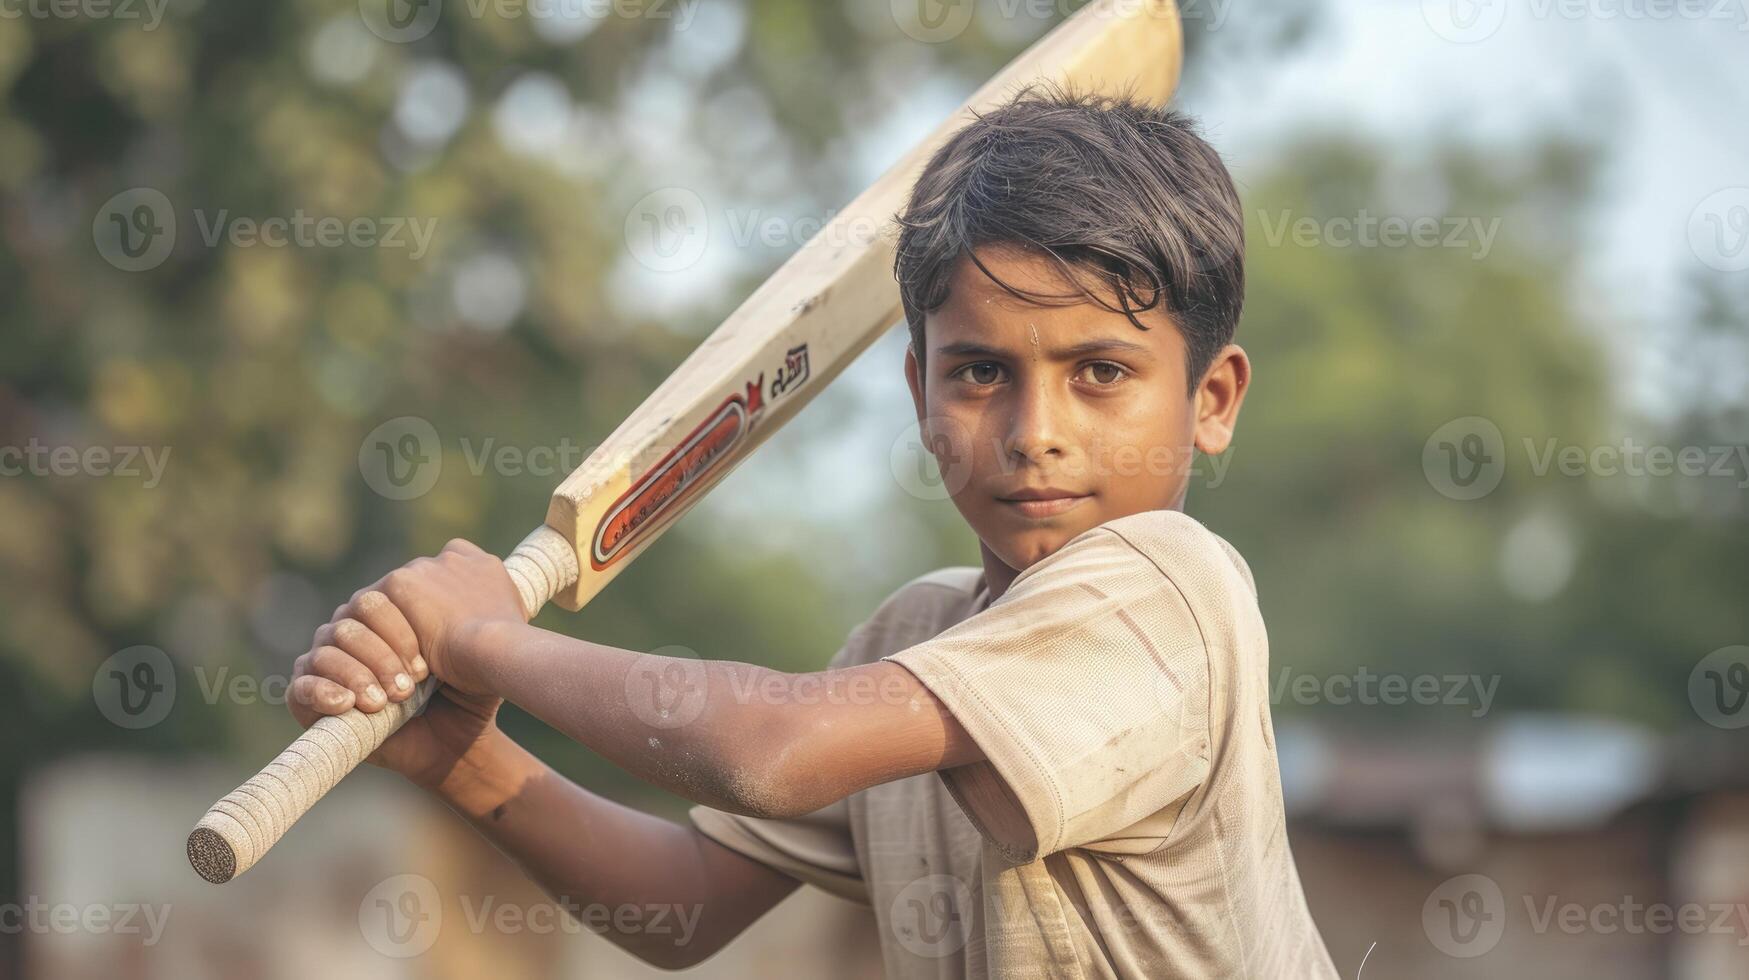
point(1108, 187)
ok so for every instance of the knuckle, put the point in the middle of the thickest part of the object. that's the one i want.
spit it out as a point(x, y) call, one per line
point(348, 630)
point(303, 691)
point(331, 661)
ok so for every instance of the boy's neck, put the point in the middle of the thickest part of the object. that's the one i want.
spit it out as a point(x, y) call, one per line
point(998, 575)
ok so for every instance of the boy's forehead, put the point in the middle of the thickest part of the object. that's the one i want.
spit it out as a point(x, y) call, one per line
point(980, 311)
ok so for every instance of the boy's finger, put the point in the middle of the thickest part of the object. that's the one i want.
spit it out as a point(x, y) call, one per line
point(311, 697)
point(342, 668)
point(385, 619)
point(369, 649)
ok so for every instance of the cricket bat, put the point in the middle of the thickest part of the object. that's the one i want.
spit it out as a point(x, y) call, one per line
point(786, 342)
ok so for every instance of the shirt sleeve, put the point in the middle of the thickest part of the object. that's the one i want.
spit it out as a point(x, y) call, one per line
point(815, 849)
point(1086, 685)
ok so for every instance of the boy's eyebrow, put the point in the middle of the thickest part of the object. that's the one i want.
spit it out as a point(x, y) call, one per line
point(1109, 345)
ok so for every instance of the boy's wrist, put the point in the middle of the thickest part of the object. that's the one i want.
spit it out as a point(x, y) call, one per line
point(492, 772)
point(472, 651)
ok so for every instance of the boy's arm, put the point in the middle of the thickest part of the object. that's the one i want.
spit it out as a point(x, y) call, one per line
point(750, 740)
point(733, 736)
point(599, 857)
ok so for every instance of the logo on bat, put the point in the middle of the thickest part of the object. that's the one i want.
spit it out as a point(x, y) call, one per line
point(691, 464)
point(794, 372)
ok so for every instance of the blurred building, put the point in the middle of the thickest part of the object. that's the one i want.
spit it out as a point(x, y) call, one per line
point(1550, 847)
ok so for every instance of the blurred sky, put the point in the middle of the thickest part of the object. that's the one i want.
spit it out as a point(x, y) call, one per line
point(1669, 97)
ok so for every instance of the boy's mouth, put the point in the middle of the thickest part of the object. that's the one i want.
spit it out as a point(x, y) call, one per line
point(1043, 501)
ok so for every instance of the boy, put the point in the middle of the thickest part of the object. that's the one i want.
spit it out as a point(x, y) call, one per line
point(1061, 764)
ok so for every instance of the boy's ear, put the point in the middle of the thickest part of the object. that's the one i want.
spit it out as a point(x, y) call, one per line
point(914, 378)
point(1218, 398)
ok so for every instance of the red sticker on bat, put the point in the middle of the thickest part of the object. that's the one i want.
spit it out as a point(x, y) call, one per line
point(676, 475)
point(680, 473)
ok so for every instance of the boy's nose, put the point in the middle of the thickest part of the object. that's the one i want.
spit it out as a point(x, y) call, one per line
point(1037, 427)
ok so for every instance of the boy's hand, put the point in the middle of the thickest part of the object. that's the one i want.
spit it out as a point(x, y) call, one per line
point(393, 635)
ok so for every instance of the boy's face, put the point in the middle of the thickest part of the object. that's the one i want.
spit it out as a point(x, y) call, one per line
point(1049, 420)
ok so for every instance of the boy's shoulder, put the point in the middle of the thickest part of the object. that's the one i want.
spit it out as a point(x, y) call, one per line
point(1197, 561)
point(914, 612)
point(1169, 544)
point(1182, 548)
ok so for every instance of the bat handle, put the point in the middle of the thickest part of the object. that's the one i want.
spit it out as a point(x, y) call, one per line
point(239, 829)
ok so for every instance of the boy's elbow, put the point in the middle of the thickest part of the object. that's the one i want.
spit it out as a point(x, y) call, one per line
point(676, 958)
point(673, 956)
point(772, 777)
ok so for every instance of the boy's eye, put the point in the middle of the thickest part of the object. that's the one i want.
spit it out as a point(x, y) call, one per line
point(1105, 373)
point(981, 372)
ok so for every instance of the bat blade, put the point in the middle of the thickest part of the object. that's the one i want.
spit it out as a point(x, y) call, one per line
point(779, 349)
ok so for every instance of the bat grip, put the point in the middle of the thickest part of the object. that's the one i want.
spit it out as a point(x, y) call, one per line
point(239, 829)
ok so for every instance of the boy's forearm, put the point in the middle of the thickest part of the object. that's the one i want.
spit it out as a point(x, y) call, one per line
point(660, 890)
point(729, 735)
point(674, 722)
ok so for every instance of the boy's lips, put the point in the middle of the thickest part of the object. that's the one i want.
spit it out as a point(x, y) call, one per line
point(1045, 502)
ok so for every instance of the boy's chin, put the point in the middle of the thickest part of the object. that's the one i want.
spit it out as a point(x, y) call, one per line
point(1019, 550)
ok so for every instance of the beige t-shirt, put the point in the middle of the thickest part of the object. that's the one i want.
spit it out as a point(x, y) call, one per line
point(1128, 820)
